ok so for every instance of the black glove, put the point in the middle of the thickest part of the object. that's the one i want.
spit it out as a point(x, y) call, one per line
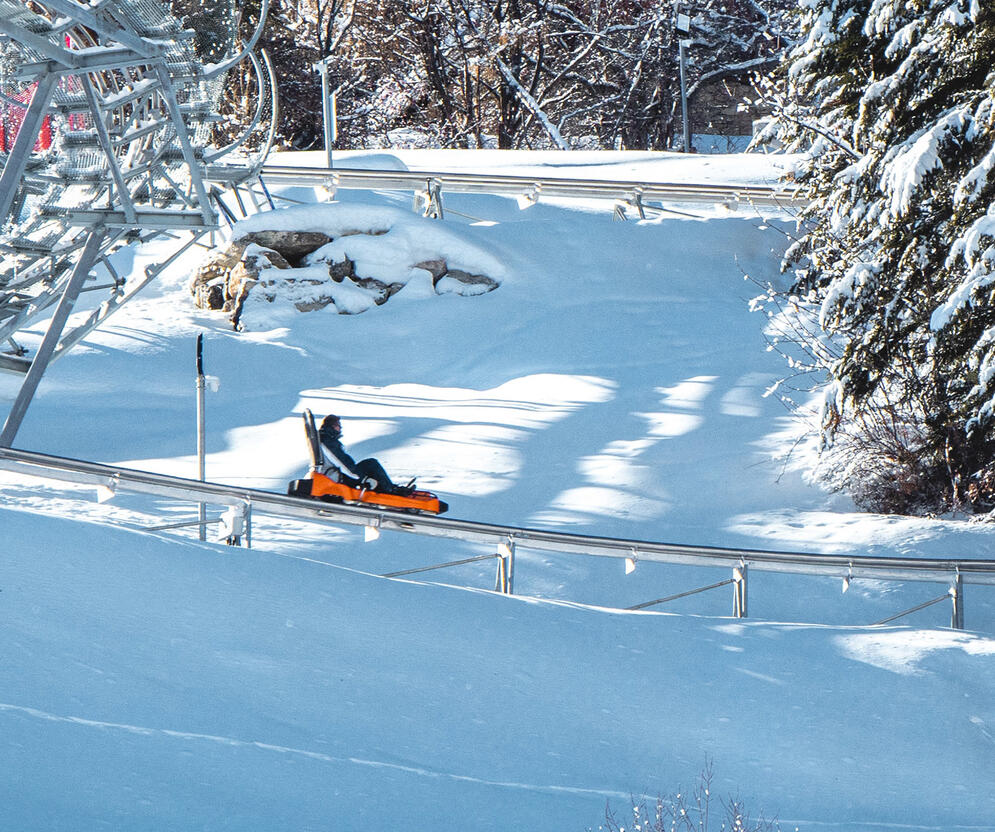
point(369, 483)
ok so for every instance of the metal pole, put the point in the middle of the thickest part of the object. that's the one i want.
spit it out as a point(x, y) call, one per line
point(501, 581)
point(201, 433)
point(685, 594)
point(684, 95)
point(326, 111)
point(124, 196)
point(506, 568)
point(739, 588)
point(38, 366)
point(418, 569)
point(335, 117)
point(957, 595)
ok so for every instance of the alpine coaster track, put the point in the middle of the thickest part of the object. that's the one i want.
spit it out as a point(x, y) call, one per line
point(952, 572)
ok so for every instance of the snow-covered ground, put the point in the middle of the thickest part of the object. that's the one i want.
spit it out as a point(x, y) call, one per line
point(613, 385)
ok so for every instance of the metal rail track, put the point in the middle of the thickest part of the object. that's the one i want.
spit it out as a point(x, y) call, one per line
point(942, 570)
point(534, 188)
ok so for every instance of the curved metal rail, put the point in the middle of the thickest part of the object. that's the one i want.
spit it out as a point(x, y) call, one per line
point(98, 475)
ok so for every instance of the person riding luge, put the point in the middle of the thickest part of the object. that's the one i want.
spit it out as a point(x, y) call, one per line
point(341, 467)
point(335, 477)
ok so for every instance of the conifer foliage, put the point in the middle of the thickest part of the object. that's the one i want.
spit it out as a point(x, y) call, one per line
point(894, 102)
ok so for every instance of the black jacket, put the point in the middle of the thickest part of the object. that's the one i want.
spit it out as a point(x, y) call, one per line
point(336, 455)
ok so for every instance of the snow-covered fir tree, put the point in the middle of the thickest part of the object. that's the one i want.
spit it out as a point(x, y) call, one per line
point(894, 102)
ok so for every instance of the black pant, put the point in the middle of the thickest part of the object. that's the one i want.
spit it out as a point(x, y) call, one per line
point(372, 468)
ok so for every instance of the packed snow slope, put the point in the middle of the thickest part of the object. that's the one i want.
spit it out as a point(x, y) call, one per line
point(613, 385)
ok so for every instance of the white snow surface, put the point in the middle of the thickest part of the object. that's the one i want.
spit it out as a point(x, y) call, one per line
point(612, 385)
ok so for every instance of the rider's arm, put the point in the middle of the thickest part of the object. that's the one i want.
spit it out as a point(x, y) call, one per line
point(338, 456)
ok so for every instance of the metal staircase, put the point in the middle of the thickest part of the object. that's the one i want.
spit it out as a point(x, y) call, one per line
point(107, 110)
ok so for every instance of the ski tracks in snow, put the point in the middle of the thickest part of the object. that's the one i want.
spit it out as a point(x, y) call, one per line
point(231, 742)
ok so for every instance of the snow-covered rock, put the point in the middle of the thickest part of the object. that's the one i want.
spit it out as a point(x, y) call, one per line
point(351, 257)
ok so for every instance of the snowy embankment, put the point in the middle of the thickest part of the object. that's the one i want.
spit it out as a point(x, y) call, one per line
point(613, 384)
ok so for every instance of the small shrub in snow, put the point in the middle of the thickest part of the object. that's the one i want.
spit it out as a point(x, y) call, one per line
point(689, 812)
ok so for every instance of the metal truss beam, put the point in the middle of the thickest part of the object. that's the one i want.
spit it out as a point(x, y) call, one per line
point(13, 170)
point(100, 24)
point(40, 363)
point(39, 43)
point(96, 62)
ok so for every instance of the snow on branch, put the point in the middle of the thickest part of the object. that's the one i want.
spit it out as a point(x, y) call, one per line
point(906, 166)
point(531, 104)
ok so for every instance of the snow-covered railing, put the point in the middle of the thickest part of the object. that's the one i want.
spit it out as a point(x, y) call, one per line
point(530, 189)
point(954, 572)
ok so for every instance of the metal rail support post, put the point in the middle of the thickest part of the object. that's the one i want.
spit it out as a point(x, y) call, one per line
point(201, 433)
point(501, 579)
point(685, 42)
point(81, 271)
point(505, 581)
point(739, 574)
point(429, 201)
point(957, 596)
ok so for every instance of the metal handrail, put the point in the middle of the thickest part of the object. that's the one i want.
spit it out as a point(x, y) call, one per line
point(537, 186)
point(967, 570)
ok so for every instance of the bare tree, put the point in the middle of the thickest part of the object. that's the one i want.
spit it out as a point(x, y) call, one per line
point(518, 73)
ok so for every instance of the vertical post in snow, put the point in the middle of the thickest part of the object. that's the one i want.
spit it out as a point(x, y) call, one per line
point(201, 433)
point(327, 111)
point(505, 581)
point(335, 114)
point(957, 596)
point(739, 608)
point(501, 579)
point(684, 95)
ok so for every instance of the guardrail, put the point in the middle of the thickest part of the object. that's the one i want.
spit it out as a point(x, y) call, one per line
point(431, 184)
point(955, 572)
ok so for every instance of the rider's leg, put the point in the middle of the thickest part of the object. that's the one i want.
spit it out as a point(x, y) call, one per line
point(373, 468)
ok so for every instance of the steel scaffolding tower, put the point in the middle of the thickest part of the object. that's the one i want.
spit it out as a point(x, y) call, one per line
point(106, 116)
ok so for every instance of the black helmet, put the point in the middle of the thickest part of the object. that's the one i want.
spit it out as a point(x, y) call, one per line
point(331, 424)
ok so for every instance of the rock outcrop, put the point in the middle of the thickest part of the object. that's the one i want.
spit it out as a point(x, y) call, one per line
point(313, 270)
